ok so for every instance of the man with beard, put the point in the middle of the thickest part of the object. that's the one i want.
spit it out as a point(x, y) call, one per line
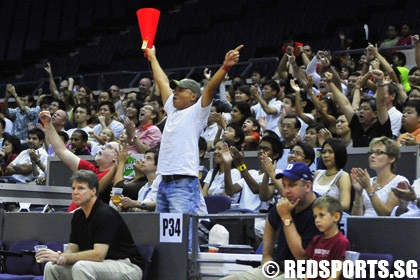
point(372, 120)
point(78, 142)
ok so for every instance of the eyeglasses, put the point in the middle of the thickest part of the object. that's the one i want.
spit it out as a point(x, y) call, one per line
point(377, 153)
point(296, 153)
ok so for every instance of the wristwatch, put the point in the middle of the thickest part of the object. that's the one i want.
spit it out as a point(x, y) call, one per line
point(241, 167)
point(143, 205)
point(134, 138)
point(287, 222)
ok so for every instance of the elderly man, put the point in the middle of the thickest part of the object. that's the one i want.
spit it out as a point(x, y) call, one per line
point(106, 158)
point(100, 245)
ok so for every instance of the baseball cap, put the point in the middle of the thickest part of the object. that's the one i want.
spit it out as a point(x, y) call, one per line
point(296, 171)
point(186, 83)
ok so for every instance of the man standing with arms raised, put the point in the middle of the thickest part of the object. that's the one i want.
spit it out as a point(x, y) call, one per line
point(187, 111)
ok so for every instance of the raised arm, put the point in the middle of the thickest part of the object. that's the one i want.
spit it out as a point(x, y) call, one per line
point(231, 58)
point(339, 97)
point(282, 67)
point(159, 76)
point(371, 49)
point(53, 86)
point(380, 96)
point(70, 159)
point(12, 91)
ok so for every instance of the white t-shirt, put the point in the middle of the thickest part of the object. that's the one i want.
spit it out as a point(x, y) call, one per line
point(24, 158)
point(210, 133)
point(395, 117)
point(382, 194)
point(178, 153)
point(115, 126)
point(272, 120)
point(249, 200)
point(217, 187)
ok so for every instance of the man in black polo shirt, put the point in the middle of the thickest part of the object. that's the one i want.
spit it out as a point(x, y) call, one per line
point(372, 120)
point(100, 246)
point(290, 225)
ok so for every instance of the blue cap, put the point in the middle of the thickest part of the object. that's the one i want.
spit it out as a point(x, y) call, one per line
point(296, 171)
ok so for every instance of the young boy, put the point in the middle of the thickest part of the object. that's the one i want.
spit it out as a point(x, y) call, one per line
point(331, 244)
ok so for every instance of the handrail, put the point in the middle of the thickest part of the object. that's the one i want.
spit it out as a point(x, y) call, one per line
point(353, 51)
point(189, 69)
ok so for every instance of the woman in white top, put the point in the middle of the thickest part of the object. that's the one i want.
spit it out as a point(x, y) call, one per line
point(214, 183)
point(332, 180)
point(373, 196)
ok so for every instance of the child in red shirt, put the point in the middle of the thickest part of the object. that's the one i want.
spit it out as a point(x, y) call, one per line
point(331, 244)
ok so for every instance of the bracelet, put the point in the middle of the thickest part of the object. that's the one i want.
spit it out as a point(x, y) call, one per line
point(226, 68)
point(241, 167)
point(357, 205)
point(372, 193)
point(380, 85)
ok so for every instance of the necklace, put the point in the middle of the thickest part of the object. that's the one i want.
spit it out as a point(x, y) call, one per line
point(380, 186)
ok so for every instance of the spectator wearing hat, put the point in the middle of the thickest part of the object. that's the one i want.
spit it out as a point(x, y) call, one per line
point(187, 110)
point(290, 225)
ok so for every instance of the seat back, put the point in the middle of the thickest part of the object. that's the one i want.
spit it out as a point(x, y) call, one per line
point(20, 265)
point(379, 257)
point(217, 203)
point(146, 252)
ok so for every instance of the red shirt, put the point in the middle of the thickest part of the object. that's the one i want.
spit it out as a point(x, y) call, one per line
point(86, 165)
point(333, 248)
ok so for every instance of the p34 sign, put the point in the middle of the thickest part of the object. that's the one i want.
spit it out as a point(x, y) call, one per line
point(171, 227)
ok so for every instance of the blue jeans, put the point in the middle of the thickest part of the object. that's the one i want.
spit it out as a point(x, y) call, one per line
point(179, 196)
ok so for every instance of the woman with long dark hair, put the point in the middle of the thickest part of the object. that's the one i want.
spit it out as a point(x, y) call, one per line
point(332, 180)
point(10, 150)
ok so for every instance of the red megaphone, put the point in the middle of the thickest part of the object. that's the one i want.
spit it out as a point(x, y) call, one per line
point(148, 19)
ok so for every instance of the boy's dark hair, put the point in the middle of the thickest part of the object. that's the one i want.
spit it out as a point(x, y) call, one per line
point(85, 106)
point(65, 135)
point(61, 104)
point(276, 145)
point(239, 133)
point(308, 150)
point(110, 105)
point(38, 132)
point(82, 133)
point(273, 84)
point(86, 176)
point(202, 144)
point(155, 154)
point(329, 203)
